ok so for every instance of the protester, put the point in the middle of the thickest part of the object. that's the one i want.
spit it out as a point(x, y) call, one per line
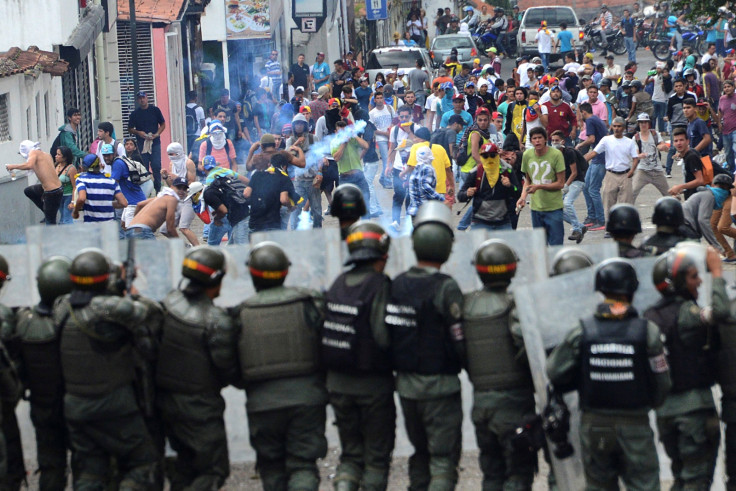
point(48, 194)
point(67, 172)
point(97, 194)
point(147, 123)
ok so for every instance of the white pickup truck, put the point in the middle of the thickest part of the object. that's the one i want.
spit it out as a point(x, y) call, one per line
point(532, 21)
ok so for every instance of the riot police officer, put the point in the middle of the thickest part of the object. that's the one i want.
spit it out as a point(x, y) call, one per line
point(503, 396)
point(424, 319)
point(727, 380)
point(348, 206)
point(687, 421)
point(97, 361)
point(197, 358)
point(12, 466)
point(668, 217)
point(568, 260)
point(38, 340)
point(623, 225)
point(615, 360)
point(279, 364)
point(359, 376)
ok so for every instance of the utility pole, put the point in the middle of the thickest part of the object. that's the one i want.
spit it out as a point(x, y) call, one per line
point(134, 49)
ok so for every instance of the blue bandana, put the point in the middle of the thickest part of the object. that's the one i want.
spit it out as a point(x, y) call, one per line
point(720, 196)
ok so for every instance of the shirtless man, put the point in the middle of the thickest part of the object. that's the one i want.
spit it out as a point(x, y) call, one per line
point(154, 212)
point(261, 161)
point(182, 166)
point(47, 195)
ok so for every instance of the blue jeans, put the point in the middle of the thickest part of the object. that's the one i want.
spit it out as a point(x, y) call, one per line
point(568, 212)
point(660, 111)
point(141, 232)
point(370, 169)
point(153, 161)
point(486, 226)
point(592, 192)
point(545, 61)
point(401, 197)
point(720, 47)
point(65, 212)
point(217, 232)
point(383, 150)
point(670, 157)
point(729, 145)
point(630, 48)
point(551, 222)
point(314, 195)
point(240, 232)
point(358, 178)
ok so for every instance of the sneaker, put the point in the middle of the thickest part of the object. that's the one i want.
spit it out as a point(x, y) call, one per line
point(395, 225)
point(597, 227)
point(376, 214)
point(576, 236)
point(329, 209)
point(669, 176)
point(730, 260)
point(588, 223)
point(607, 235)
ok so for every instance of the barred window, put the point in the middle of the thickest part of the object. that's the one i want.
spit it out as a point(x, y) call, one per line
point(4, 118)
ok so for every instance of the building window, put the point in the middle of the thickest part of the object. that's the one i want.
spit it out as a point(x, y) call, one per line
point(4, 118)
point(48, 112)
point(39, 121)
point(29, 125)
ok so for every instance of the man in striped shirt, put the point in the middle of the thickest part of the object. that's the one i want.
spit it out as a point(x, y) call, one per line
point(97, 194)
point(274, 72)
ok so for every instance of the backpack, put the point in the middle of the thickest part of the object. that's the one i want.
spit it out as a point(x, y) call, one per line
point(637, 139)
point(191, 120)
point(581, 165)
point(232, 195)
point(137, 173)
point(55, 145)
point(227, 151)
point(439, 137)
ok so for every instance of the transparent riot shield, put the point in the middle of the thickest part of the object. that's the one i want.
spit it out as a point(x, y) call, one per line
point(597, 252)
point(460, 263)
point(68, 240)
point(236, 285)
point(158, 265)
point(400, 256)
point(23, 262)
point(529, 245)
point(315, 255)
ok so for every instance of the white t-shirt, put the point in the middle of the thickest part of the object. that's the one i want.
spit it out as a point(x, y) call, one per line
point(571, 67)
point(544, 41)
point(198, 111)
point(619, 152)
point(403, 148)
point(521, 70)
point(706, 58)
point(381, 118)
point(430, 105)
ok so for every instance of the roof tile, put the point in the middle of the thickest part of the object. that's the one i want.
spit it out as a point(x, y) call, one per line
point(16, 60)
point(152, 10)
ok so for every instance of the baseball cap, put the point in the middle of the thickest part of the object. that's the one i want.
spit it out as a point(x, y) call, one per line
point(90, 161)
point(489, 148)
point(106, 149)
point(469, 84)
point(424, 155)
point(299, 89)
point(555, 87)
point(643, 117)
point(334, 101)
point(446, 86)
point(305, 109)
point(142, 93)
point(492, 49)
point(320, 53)
point(396, 35)
point(323, 90)
point(609, 57)
point(400, 72)
point(209, 162)
point(217, 126)
point(536, 59)
point(701, 102)
point(482, 110)
point(456, 118)
point(268, 139)
point(423, 133)
point(458, 97)
point(179, 181)
point(587, 77)
point(286, 129)
point(495, 115)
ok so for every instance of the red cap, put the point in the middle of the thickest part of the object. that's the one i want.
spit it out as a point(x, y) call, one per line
point(482, 110)
point(333, 101)
point(489, 148)
point(458, 97)
point(496, 114)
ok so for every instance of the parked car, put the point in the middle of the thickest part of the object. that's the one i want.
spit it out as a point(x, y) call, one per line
point(442, 45)
point(402, 57)
point(554, 15)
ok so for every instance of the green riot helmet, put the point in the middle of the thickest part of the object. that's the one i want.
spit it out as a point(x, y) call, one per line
point(4, 271)
point(268, 265)
point(623, 220)
point(90, 270)
point(53, 279)
point(668, 213)
point(204, 265)
point(678, 263)
point(616, 276)
point(433, 235)
point(367, 241)
point(568, 260)
point(495, 261)
point(348, 203)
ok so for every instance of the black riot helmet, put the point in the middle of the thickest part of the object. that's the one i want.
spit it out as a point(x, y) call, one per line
point(568, 260)
point(53, 279)
point(367, 241)
point(433, 235)
point(204, 265)
point(90, 270)
point(348, 203)
point(495, 262)
point(268, 265)
point(4, 271)
point(616, 276)
point(623, 220)
point(668, 213)
point(676, 264)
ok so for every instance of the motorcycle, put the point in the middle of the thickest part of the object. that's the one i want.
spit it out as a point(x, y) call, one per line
point(693, 37)
point(485, 37)
point(614, 38)
point(646, 37)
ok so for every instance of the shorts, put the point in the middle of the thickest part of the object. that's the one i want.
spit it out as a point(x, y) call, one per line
point(128, 214)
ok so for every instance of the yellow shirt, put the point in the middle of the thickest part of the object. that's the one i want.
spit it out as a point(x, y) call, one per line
point(440, 163)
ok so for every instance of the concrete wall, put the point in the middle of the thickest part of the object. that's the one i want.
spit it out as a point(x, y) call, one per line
point(18, 212)
point(108, 75)
point(162, 86)
point(43, 23)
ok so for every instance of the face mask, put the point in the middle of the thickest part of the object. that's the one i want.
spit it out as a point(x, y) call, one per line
point(557, 145)
point(218, 140)
point(27, 146)
point(178, 159)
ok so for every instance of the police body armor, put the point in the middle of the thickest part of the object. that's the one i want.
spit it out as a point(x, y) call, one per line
point(94, 364)
point(347, 337)
point(727, 356)
point(420, 339)
point(493, 363)
point(615, 364)
point(184, 363)
point(691, 367)
point(39, 349)
point(276, 340)
point(660, 243)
